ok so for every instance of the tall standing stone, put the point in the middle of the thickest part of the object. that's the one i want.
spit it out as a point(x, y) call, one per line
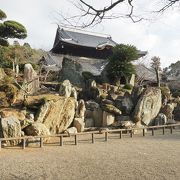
point(80, 112)
point(148, 106)
point(65, 88)
point(31, 79)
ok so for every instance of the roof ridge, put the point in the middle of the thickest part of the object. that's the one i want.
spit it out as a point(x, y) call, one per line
point(86, 32)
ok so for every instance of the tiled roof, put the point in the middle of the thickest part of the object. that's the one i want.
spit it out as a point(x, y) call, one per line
point(82, 38)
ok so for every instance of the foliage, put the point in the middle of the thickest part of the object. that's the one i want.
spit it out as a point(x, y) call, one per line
point(120, 62)
point(20, 55)
point(8, 94)
point(155, 64)
point(10, 29)
point(128, 86)
point(2, 15)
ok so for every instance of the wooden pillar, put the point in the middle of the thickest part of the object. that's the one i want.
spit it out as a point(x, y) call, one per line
point(143, 132)
point(92, 137)
point(75, 139)
point(0, 145)
point(106, 136)
point(41, 142)
point(152, 131)
point(61, 140)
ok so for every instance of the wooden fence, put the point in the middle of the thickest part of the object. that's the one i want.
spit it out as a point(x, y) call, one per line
point(92, 133)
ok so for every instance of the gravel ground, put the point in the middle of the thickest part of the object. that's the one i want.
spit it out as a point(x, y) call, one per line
point(138, 158)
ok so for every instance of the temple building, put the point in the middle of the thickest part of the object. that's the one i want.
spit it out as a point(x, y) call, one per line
point(89, 49)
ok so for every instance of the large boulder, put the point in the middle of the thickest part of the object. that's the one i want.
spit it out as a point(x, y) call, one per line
point(108, 119)
point(91, 105)
point(65, 88)
point(36, 129)
point(79, 124)
point(89, 122)
point(72, 130)
point(72, 70)
point(98, 117)
point(136, 93)
point(148, 105)
point(31, 79)
point(10, 127)
point(168, 110)
point(93, 111)
point(124, 103)
point(80, 111)
point(59, 115)
point(161, 119)
point(111, 109)
point(11, 112)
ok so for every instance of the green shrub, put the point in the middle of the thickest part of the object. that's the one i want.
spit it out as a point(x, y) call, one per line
point(128, 86)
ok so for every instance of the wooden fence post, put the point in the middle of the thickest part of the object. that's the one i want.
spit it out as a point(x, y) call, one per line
point(92, 137)
point(152, 131)
point(120, 135)
point(41, 142)
point(23, 143)
point(61, 140)
point(75, 139)
point(131, 133)
point(106, 136)
point(163, 130)
point(171, 130)
point(143, 132)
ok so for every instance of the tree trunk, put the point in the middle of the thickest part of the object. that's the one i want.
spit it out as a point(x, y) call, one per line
point(157, 77)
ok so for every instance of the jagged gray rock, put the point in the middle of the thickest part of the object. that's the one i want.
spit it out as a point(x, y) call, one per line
point(72, 70)
point(161, 119)
point(59, 116)
point(65, 89)
point(36, 129)
point(10, 127)
point(148, 106)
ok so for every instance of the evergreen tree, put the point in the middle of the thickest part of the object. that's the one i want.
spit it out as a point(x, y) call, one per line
point(120, 65)
point(10, 29)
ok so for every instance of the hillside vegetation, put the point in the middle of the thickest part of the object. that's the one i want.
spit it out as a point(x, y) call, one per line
point(19, 55)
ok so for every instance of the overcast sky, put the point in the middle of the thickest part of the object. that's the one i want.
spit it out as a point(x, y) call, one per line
point(160, 37)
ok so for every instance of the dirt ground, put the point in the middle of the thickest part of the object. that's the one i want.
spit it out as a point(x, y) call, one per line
point(138, 158)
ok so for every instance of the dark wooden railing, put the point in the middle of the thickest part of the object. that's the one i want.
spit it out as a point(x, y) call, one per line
point(92, 133)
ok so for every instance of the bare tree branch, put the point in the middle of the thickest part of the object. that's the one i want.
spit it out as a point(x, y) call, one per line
point(94, 16)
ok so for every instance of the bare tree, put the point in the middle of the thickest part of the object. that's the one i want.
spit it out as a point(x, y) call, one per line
point(94, 15)
point(155, 64)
